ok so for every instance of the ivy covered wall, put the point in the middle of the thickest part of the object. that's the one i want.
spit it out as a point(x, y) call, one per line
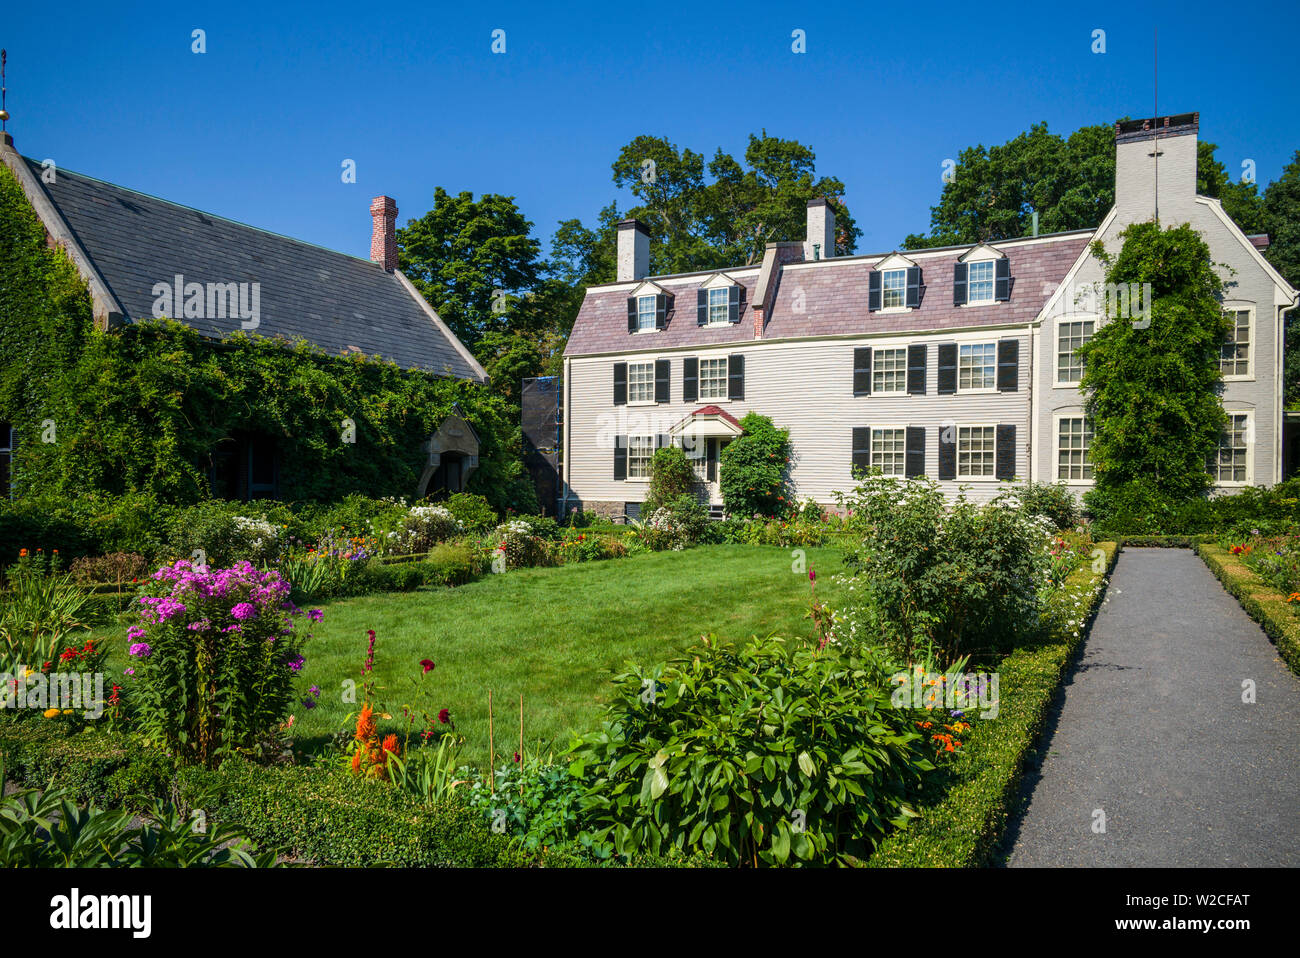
point(152, 406)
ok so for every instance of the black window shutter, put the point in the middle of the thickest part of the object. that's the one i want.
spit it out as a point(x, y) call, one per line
point(913, 286)
point(710, 459)
point(873, 291)
point(663, 369)
point(1005, 451)
point(620, 384)
point(690, 379)
point(1002, 280)
point(701, 307)
point(663, 440)
point(861, 449)
point(959, 272)
point(914, 461)
point(862, 371)
point(631, 314)
point(1008, 365)
point(916, 369)
point(733, 304)
point(946, 376)
point(661, 311)
point(620, 457)
point(947, 452)
point(735, 376)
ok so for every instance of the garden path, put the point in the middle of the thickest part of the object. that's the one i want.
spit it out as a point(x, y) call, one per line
point(1151, 730)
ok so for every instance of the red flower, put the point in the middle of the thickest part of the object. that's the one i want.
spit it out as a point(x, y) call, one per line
point(516, 756)
point(427, 665)
point(444, 716)
point(812, 575)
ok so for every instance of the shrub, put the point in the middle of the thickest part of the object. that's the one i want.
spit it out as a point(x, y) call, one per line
point(677, 525)
point(771, 752)
point(752, 469)
point(215, 658)
point(538, 802)
point(40, 611)
point(212, 534)
point(474, 513)
point(117, 568)
point(426, 526)
point(576, 546)
point(930, 577)
point(671, 477)
point(517, 546)
point(1051, 500)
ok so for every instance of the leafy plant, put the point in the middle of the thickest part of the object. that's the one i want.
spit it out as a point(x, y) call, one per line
point(752, 469)
point(39, 612)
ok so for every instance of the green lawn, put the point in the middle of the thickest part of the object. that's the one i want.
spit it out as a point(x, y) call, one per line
point(555, 635)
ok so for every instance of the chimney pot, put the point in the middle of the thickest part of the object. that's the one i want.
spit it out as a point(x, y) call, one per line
point(383, 238)
point(633, 251)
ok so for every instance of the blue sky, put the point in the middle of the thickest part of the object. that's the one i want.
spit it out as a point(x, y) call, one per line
point(256, 128)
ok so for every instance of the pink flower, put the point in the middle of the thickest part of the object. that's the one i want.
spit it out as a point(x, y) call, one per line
point(243, 611)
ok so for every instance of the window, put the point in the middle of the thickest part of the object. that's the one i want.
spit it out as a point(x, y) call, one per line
point(980, 280)
point(640, 382)
point(893, 286)
point(713, 378)
point(976, 453)
point(718, 306)
point(1234, 356)
point(1073, 439)
point(889, 451)
point(645, 313)
point(889, 370)
point(639, 451)
point(1231, 464)
point(697, 450)
point(977, 366)
point(1070, 336)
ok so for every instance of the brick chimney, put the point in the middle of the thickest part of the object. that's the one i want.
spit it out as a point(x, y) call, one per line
point(383, 239)
point(633, 251)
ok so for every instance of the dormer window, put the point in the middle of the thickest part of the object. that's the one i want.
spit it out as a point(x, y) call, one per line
point(980, 277)
point(645, 313)
point(719, 301)
point(647, 308)
point(893, 286)
point(718, 306)
point(981, 282)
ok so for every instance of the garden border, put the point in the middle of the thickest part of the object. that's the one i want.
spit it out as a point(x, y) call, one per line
point(1263, 603)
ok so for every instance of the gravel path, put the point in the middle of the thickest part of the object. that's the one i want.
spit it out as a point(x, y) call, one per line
point(1151, 730)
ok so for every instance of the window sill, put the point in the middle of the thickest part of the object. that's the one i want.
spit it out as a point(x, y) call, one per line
point(641, 332)
point(711, 401)
point(982, 302)
point(1065, 385)
point(978, 392)
point(976, 479)
point(642, 402)
point(1238, 379)
point(891, 310)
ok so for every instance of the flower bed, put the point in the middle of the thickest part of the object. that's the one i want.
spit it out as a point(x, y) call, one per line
point(1277, 610)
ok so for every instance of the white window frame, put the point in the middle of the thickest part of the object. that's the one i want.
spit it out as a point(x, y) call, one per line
point(993, 282)
point(641, 313)
point(636, 442)
point(1251, 343)
point(726, 372)
point(885, 290)
point(1057, 419)
point(871, 444)
point(724, 306)
point(901, 390)
point(968, 390)
point(641, 366)
point(967, 477)
point(1250, 453)
point(1057, 381)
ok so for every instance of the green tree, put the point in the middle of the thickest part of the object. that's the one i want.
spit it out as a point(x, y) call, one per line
point(1282, 223)
point(752, 469)
point(1153, 390)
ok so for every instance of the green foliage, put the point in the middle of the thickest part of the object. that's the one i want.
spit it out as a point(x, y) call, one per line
point(1051, 500)
point(771, 752)
point(677, 524)
point(41, 609)
point(1271, 608)
point(1138, 509)
point(671, 476)
point(539, 802)
point(752, 469)
point(475, 513)
point(1153, 392)
point(941, 579)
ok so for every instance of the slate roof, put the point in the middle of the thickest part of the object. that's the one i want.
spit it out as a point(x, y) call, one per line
point(338, 302)
point(829, 298)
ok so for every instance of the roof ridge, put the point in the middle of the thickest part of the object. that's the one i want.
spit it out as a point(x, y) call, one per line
point(194, 209)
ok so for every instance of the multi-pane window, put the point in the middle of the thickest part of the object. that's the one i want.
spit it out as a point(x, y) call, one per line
point(976, 453)
point(977, 366)
point(640, 449)
point(889, 371)
point(1070, 336)
point(1234, 356)
point(713, 378)
point(645, 312)
point(893, 288)
point(718, 306)
point(1073, 440)
point(979, 278)
point(889, 451)
point(640, 382)
point(1229, 464)
point(696, 449)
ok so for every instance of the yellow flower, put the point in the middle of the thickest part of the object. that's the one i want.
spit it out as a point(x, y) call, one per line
point(67, 711)
point(50, 713)
point(29, 672)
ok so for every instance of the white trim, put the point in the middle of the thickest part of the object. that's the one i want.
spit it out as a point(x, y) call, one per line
point(902, 289)
point(981, 251)
point(993, 282)
point(978, 390)
point(957, 427)
point(726, 380)
point(1235, 306)
point(1057, 382)
point(653, 448)
point(1287, 291)
point(871, 451)
point(889, 349)
point(1251, 444)
point(1056, 449)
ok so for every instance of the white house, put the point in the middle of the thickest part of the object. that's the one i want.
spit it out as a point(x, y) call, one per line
point(956, 363)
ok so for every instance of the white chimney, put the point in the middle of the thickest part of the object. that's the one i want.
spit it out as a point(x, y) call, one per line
point(1155, 168)
point(633, 251)
point(821, 231)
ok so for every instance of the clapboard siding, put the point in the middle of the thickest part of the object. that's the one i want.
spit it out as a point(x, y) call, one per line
point(806, 387)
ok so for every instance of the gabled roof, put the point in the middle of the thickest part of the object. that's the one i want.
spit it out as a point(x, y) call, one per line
point(340, 303)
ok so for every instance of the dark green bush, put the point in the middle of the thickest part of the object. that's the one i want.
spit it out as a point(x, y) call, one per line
point(671, 477)
point(752, 469)
point(1052, 500)
point(474, 512)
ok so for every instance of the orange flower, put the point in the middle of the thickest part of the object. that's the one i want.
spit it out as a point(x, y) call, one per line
point(390, 744)
point(365, 724)
point(22, 553)
point(356, 761)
